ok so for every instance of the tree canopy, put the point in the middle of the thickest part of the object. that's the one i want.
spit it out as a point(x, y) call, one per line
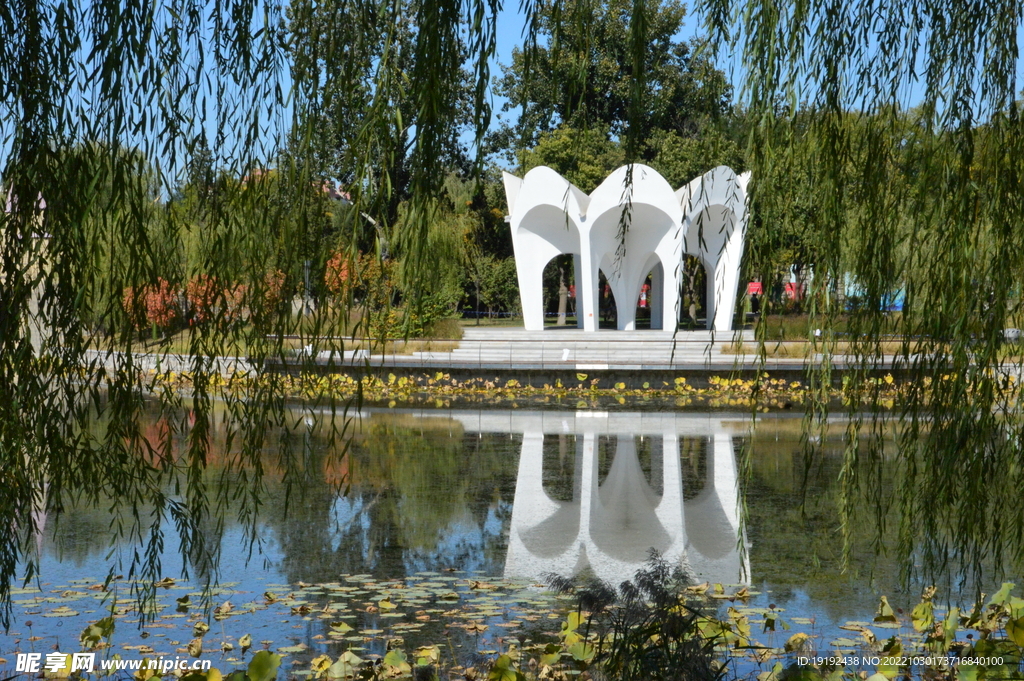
point(582, 75)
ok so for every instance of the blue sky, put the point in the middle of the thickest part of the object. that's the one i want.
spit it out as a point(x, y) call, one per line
point(510, 28)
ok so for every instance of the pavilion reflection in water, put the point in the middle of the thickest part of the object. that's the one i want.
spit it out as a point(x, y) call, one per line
point(583, 498)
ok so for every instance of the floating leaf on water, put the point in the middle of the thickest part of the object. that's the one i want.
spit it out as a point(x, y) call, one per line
point(263, 666)
point(396, 663)
point(340, 627)
point(797, 642)
point(885, 611)
point(62, 611)
point(245, 642)
point(96, 632)
point(426, 655)
point(869, 636)
point(846, 642)
point(345, 667)
point(298, 648)
point(319, 665)
point(195, 647)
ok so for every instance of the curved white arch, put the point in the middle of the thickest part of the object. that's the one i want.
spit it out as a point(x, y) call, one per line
point(706, 218)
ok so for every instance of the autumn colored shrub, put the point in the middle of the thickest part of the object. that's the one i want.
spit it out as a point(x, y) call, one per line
point(162, 304)
point(156, 304)
point(201, 293)
point(338, 275)
point(273, 291)
point(134, 305)
point(235, 303)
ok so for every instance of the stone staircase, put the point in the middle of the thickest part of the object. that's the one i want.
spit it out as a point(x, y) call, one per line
point(573, 348)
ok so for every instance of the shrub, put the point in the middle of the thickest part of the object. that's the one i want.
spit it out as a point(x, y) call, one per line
point(154, 304)
point(235, 303)
point(134, 305)
point(338, 275)
point(201, 294)
point(273, 290)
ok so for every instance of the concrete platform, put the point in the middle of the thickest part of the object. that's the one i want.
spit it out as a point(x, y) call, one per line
point(559, 354)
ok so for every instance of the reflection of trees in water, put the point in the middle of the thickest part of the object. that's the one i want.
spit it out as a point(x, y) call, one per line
point(417, 500)
point(563, 454)
point(793, 523)
point(693, 452)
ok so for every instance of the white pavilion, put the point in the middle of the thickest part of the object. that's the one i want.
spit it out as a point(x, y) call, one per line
point(706, 218)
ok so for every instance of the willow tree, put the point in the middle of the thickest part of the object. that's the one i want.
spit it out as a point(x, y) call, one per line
point(936, 203)
point(162, 79)
point(912, 165)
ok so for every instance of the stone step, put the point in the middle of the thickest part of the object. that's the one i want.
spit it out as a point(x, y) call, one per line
point(603, 336)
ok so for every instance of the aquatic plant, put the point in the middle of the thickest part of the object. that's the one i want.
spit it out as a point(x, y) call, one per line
point(646, 629)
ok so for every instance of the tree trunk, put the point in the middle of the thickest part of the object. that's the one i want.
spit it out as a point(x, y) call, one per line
point(563, 296)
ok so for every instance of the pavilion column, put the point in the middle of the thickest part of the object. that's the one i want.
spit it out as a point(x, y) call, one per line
point(671, 510)
point(577, 269)
point(586, 285)
point(589, 486)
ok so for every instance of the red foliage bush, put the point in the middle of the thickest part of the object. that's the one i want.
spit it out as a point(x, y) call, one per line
point(338, 277)
point(159, 303)
point(274, 288)
point(235, 307)
point(201, 292)
point(134, 307)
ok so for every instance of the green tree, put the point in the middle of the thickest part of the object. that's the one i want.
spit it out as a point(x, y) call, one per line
point(366, 110)
point(585, 157)
point(680, 158)
point(584, 73)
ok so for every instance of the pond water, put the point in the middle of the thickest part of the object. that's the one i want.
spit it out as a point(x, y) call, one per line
point(434, 522)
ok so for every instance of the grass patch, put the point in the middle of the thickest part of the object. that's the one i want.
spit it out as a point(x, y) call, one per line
point(804, 349)
point(491, 321)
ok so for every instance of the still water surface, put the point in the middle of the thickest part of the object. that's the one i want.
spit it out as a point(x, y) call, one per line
point(439, 501)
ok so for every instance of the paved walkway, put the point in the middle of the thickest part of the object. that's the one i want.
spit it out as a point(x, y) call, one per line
point(572, 349)
point(160, 362)
point(509, 349)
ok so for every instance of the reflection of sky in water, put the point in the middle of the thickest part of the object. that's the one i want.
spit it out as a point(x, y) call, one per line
point(495, 482)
